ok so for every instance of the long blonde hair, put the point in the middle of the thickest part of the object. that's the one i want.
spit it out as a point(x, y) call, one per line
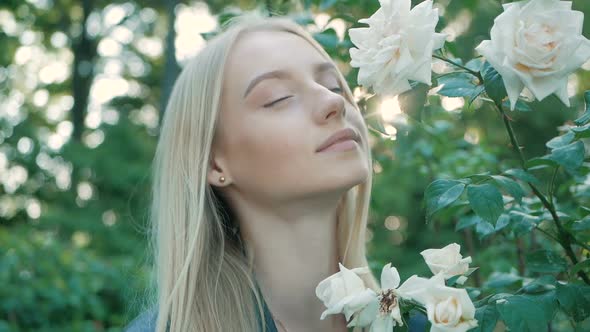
point(202, 276)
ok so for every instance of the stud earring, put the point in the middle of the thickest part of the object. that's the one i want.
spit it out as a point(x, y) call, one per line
point(221, 179)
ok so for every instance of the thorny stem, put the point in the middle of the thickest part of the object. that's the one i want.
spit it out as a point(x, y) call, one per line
point(564, 238)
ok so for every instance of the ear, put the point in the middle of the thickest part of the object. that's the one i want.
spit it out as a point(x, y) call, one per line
point(217, 170)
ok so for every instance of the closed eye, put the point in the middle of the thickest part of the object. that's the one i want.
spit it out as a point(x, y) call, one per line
point(337, 90)
point(276, 101)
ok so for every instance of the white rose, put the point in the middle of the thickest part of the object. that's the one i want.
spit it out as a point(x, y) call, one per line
point(366, 315)
point(381, 311)
point(389, 314)
point(396, 47)
point(448, 309)
point(345, 292)
point(447, 260)
point(537, 44)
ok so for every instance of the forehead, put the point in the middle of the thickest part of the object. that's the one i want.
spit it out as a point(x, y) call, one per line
point(257, 52)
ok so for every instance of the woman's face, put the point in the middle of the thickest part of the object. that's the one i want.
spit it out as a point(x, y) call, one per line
point(270, 128)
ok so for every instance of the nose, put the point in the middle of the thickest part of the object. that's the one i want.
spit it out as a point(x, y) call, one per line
point(329, 104)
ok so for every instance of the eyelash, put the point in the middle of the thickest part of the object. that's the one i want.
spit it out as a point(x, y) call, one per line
point(281, 99)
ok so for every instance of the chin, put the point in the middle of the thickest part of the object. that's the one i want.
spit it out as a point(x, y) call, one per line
point(346, 181)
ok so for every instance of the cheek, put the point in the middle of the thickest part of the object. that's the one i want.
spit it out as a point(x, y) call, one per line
point(270, 153)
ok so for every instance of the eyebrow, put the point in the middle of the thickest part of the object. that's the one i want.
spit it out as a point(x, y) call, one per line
point(319, 67)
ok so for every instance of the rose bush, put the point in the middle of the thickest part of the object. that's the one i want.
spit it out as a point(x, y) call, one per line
point(534, 44)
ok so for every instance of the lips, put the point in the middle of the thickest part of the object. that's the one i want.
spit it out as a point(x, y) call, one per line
point(339, 136)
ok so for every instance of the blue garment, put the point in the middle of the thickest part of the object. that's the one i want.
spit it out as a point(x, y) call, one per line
point(146, 322)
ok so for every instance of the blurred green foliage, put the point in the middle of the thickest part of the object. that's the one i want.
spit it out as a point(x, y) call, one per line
point(73, 210)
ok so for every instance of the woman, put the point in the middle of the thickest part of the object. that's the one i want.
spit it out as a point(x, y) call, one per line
point(249, 211)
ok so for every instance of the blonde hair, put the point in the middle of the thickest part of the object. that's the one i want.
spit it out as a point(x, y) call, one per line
point(202, 276)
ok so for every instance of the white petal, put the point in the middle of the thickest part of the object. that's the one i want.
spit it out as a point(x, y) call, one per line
point(461, 280)
point(360, 36)
point(383, 323)
point(366, 316)
point(362, 299)
point(423, 73)
point(513, 84)
point(439, 41)
point(415, 288)
point(397, 316)
point(389, 277)
point(352, 281)
point(542, 87)
point(563, 95)
point(539, 5)
point(579, 57)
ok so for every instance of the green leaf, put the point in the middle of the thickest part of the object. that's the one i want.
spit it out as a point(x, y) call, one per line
point(452, 280)
point(483, 229)
point(547, 301)
point(502, 222)
point(513, 188)
point(582, 132)
point(540, 162)
point(521, 106)
point(521, 313)
point(498, 280)
point(479, 177)
point(581, 225)
point(476, 93)
point(467, 221)
point(573, 300)
point(487, 318)
point(586, 116)
point(493, 83)
point(522, 223)
point(327, 38)
point(581, 266)
point(523, 176)
point(474, 64)
point(456, 85)
point(545, 261)
point(570, 156)
point(560, 141)
point(485, 200)
point(541, 284)
point(470, 271)
point(304, 19)
point(441, 193)
point(325, 4)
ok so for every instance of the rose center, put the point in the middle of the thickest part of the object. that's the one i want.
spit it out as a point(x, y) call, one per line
point(388, 301)
point(448, 312)
point(541, 36)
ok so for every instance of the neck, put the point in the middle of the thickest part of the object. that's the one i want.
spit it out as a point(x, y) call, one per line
point(295, 248)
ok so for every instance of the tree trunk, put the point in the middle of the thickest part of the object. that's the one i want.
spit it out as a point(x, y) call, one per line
point(171, 68)
point(82, 73)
